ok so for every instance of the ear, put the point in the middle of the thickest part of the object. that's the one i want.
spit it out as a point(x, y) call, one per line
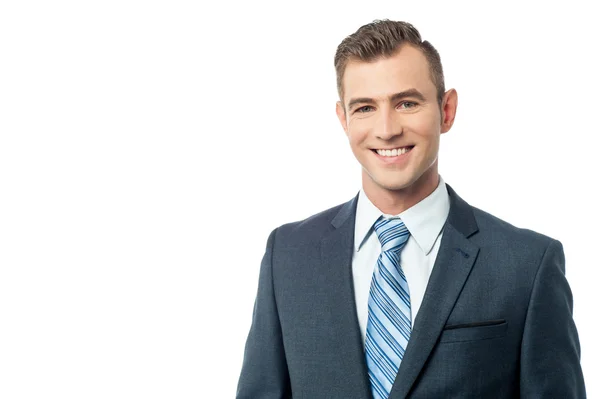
point(449, 104)
point(341, 114)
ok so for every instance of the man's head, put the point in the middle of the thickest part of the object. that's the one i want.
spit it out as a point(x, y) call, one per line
point(391, 89)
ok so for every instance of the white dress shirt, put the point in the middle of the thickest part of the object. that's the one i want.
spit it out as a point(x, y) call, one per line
point(424, 221)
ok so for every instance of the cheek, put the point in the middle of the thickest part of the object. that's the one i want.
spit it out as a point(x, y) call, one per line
point(426, 127)
point(358, 132)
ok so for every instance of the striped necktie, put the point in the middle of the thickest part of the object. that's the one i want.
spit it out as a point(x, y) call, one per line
point(389, 320)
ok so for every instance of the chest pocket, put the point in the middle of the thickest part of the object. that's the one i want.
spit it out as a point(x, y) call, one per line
point(474, 331)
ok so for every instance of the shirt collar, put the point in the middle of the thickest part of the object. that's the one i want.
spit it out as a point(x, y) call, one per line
point(423, 220)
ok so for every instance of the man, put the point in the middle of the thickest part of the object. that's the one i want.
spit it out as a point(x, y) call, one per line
point(406, 290)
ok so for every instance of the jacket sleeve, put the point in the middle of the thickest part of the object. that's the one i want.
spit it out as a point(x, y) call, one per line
point(550, 351)
point(264, 372)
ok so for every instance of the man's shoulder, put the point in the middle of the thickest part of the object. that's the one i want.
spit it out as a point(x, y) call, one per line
point(312, 226)
point(317, 220)
point(500, 232)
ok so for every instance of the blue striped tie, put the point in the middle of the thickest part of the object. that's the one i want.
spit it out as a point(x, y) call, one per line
point(389, 321)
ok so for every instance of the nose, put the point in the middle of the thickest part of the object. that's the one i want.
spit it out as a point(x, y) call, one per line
point(387, 125)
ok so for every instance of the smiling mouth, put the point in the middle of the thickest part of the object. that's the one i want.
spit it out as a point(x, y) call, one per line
point(393, 153)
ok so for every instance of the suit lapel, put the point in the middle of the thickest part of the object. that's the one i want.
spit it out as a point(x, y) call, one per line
point(336, 264)
point(451, 269)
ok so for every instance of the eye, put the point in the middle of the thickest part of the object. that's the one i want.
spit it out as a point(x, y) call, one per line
point(363, 109)
point(407, 104)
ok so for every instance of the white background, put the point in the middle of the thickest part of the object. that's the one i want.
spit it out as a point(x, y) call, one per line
point(135, 136)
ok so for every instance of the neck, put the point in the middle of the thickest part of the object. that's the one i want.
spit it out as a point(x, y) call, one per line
point(395, 201)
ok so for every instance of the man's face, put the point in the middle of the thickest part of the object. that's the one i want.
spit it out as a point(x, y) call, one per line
point(392, 103)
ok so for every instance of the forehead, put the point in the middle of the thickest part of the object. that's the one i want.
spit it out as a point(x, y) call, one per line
point(406, 69)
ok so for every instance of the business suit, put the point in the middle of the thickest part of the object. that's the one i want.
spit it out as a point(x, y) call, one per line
point(495, 322)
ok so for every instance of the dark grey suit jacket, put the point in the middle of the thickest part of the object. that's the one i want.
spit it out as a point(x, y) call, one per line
point(495, 322)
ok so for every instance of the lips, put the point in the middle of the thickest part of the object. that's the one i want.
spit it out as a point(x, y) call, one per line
point(409, 147)
point(397, 160)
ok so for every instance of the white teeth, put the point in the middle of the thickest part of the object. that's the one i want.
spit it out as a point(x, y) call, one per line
point(393, 153)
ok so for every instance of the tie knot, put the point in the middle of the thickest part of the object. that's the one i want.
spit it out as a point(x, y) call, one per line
point(392, 234)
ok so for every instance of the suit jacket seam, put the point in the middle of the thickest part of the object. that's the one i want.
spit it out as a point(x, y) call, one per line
point(272, 250)
point(531, 289)
point(537, 272)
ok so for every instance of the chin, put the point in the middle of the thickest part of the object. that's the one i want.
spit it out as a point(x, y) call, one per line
point(394, 184)
point(398, 186)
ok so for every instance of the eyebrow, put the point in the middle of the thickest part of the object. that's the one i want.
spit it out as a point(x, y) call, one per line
point(412, 93)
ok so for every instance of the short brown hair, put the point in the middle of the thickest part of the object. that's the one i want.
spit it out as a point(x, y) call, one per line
point(380, 39)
